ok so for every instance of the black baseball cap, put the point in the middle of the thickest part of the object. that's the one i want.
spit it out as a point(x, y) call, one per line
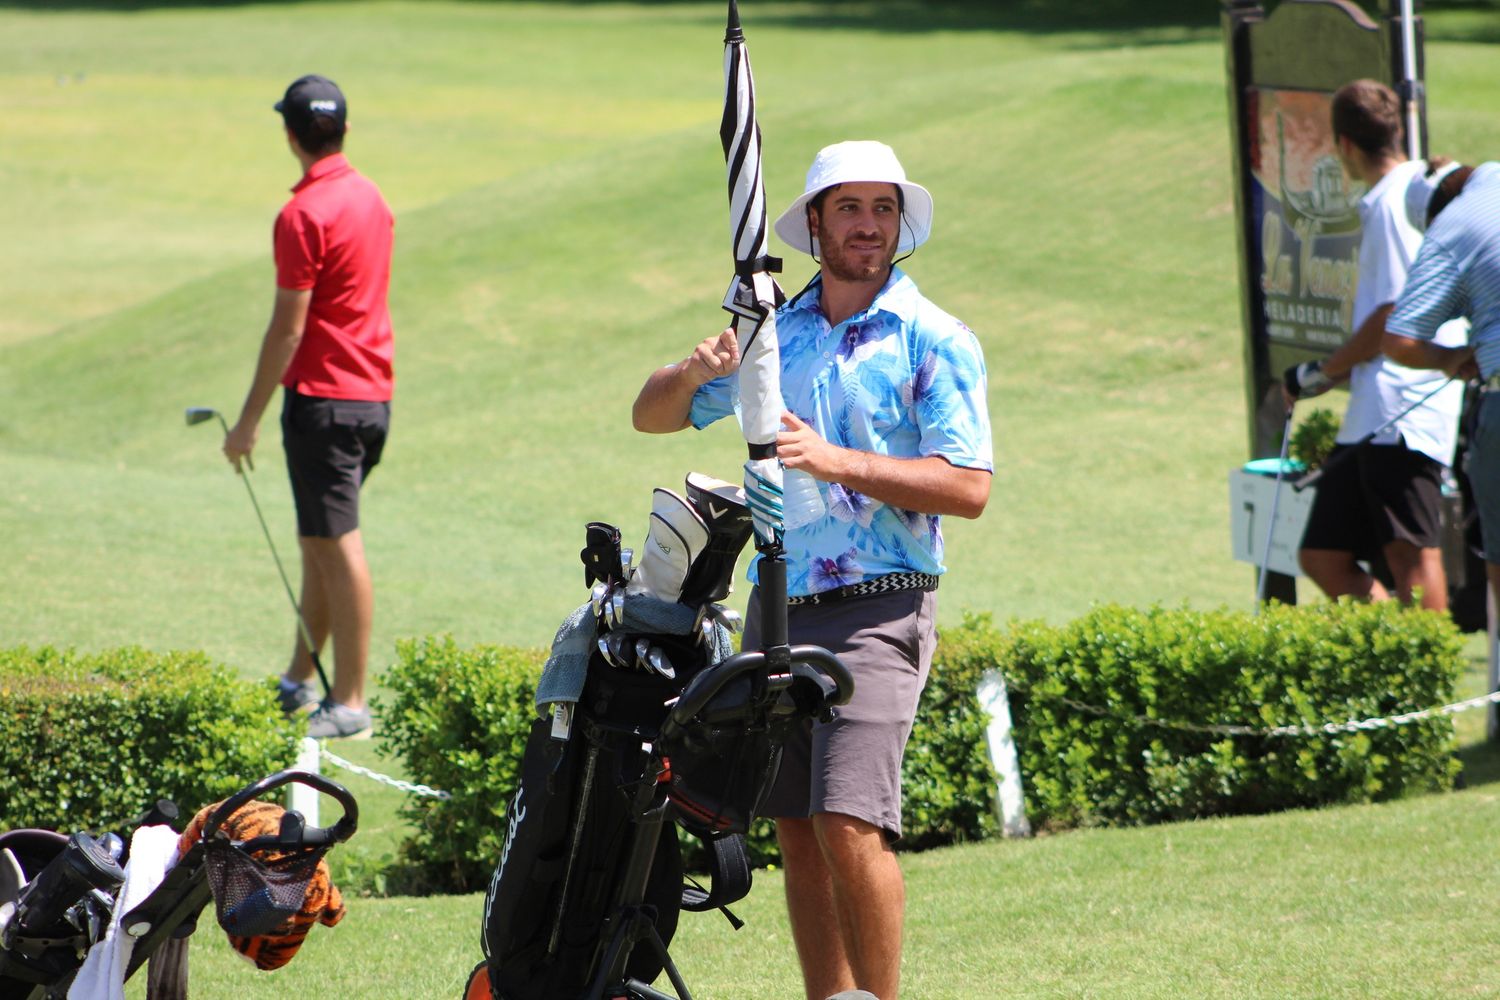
point(310, 96)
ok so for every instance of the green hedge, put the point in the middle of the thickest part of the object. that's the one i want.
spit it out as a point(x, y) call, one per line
point(459, 721)
point(1303, 665)
point(91, 740)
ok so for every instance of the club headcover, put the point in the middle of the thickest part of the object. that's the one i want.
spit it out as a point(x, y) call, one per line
point(601, 553)
point(725, 513)
point(676, 536)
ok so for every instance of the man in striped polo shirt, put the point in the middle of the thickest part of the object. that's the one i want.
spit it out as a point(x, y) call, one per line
point(1457, 273)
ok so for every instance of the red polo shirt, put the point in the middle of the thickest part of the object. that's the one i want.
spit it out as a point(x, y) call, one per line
point(335, 237)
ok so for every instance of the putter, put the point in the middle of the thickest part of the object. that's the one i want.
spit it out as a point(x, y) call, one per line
point(199, 414)
point(1265, 557)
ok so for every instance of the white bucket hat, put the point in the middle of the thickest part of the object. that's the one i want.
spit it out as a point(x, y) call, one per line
point(852, 162)
point(1420, 191)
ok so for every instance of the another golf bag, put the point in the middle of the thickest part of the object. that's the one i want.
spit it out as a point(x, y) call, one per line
point(667, 730)
point(58, 894)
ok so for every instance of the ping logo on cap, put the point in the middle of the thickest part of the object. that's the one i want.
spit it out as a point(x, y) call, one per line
point(328, 107)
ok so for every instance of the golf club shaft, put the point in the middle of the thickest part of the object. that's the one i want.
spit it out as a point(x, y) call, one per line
point(1265, 557)
point(1313, 476)
point(307, 638)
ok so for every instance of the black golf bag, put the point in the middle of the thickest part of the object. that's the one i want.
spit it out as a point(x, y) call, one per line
point(667, 731)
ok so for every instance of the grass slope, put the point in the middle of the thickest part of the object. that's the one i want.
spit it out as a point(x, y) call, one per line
point(557, 180)
point(561, 232)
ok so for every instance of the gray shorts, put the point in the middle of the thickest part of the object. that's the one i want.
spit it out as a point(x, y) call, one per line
point(1483, 468)
point(852, 765)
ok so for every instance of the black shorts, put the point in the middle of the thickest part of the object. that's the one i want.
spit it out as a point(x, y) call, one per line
point(331, 446)
point(1380, 494)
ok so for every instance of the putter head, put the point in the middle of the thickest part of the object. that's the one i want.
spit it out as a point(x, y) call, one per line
point(199, 414)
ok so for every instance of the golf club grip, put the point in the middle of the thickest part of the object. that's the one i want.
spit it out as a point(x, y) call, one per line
point(340, 831)
point(702, 688)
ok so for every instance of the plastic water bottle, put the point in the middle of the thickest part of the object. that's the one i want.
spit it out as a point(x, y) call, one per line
point(801, 499)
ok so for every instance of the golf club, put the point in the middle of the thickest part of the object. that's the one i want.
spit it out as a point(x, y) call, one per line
point(1265, 557)
point(199, 414)
point(1312, 477)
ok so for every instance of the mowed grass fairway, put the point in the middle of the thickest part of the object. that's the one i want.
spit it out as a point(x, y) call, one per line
point(562, 230)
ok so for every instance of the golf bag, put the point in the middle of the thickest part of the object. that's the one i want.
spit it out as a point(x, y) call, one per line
point(58, 895)
point(666, 731)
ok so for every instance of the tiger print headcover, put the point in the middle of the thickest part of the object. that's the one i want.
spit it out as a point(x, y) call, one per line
point(323, 903)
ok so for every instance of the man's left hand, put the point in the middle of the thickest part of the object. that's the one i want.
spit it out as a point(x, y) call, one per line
point(800, 447)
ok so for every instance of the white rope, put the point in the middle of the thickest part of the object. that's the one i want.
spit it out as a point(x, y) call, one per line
point(408, 787)
point(1327, 728)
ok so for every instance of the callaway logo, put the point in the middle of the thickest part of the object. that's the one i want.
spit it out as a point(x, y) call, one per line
point(715, 512)
point(329, 107)
point(517, 814)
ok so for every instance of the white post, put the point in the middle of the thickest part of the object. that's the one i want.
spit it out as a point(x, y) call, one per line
point(299, 796)
point(994, 699)
point(1409, 70)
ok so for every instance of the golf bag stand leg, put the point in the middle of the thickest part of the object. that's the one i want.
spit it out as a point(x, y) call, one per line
point(633, 922)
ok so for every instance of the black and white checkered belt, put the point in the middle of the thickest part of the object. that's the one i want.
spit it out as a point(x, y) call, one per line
point(888, 584)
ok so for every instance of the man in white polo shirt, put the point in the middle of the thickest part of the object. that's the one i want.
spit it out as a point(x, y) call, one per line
point(1380, 493)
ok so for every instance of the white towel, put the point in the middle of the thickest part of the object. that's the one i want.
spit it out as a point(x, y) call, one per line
point(153, 851)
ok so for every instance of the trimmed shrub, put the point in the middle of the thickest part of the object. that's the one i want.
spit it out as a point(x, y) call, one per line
point(1313, 439)
point(1288, 666)
point(948, 783)
point(460, 718)
point(91, 740)
point(459, 722)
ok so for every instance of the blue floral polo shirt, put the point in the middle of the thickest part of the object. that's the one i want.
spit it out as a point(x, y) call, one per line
point(902, 378)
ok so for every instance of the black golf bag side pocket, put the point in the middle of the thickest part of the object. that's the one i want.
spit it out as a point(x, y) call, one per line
point(720, 777)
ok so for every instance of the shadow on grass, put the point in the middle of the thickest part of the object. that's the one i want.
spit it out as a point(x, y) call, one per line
point(1187, 20)
point(892, 16)
point(1481, 763)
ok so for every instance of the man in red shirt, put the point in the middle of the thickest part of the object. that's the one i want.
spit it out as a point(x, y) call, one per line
point(329, 345)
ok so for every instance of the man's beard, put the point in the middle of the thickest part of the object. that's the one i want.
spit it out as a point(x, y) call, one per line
point(844, 269)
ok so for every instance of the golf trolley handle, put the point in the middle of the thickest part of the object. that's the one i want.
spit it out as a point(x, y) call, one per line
point(702, 688)
point(336, 834)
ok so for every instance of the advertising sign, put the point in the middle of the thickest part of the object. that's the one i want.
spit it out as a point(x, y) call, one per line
point(1304, 219)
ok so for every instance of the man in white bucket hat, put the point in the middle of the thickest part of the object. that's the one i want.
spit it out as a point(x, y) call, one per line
point(886, 409)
